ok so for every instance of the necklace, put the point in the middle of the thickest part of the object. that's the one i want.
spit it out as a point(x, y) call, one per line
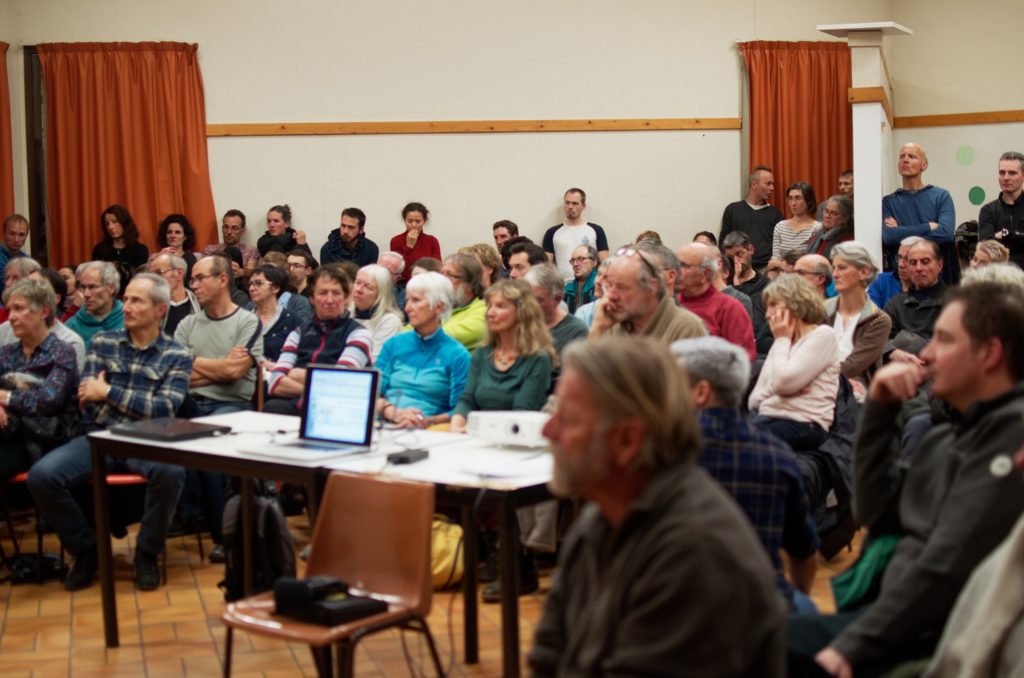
point(504, 360)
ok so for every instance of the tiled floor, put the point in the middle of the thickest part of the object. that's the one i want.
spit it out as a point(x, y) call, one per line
point(176, 630)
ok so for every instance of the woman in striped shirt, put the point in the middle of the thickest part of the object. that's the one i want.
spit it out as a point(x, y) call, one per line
point(801, 228)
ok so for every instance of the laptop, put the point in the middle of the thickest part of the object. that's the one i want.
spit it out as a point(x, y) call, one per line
point(168, 429)
point(338, 409)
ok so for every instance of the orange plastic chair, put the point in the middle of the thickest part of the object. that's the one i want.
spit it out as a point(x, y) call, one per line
point(374, 534)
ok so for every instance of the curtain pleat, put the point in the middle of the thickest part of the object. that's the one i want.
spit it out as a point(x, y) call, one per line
point(126, 123)
point(6, 153)
point(801, 122)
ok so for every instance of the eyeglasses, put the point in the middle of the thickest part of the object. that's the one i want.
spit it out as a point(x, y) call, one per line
point(162, 271)
point(579, 260)
point(630, 252)
point(257, 283)
point(685, 266)
point(296, 266)
point(807, 273)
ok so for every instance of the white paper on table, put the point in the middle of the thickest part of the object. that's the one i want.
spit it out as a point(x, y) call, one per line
point(510, 466)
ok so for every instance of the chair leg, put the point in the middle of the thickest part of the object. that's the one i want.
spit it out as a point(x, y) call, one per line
point(422, 627)
point(39, 548)
point(346, 658)
point(199, 540)
point(322, 660)
point(10, 531)
point(163, 557)
point(227, 651)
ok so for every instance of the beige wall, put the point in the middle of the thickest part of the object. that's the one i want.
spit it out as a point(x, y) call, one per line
point(325, 60)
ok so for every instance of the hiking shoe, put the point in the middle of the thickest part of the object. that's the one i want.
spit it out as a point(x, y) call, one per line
point(83, 571)
point(528, 580)
point(147, 571)
point(217, 554)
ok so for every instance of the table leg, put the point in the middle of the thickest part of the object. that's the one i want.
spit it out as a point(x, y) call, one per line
point(248, 500)
point(101, 502)
point(471, 636)
point(508, 538)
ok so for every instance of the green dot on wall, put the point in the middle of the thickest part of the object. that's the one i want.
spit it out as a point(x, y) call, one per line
point(976, 195)
point(965, 155)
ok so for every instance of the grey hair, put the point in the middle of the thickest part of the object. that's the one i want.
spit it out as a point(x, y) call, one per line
point(711, 260)
point(822, 267)
point(23, 265)
point(36, 293)
point(396, 256)
point(910, 241)
point(108, 273)
point(668, 258)
point(858, 255)
point(159, 290)
point(591, 252)
point(1006, 274)
point(176, 262)
point(436, 288)
point(735, 239)
point(644, 272)
point(845, 206)
point(546, 277)
point(724, 365)
point(386, 302)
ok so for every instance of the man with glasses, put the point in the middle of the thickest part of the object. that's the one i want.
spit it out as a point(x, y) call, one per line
point(636, 301)
point(301, 265)
point(183, 303)
point(101, 311)
point(723, 315)
point(914, 312)
point(468, 322)
point(816, 270)
point(233, 229)
point(580, 290)
point(890, 283)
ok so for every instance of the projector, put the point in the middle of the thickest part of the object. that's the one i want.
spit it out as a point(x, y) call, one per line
point(519, 429)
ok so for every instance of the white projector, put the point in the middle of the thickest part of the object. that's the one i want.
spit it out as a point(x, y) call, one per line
point(508, 427)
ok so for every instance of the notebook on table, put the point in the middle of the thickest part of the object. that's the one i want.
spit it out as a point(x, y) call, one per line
point(168, 429)
point(338, 408)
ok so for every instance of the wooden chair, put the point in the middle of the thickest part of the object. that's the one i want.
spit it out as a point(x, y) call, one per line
point(374, 534)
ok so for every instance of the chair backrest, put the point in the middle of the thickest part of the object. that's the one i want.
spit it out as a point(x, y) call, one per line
point(375, 534)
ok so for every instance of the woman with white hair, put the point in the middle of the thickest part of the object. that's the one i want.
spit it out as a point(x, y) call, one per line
point(373, 296)
point(423, 372)
point(860, 326)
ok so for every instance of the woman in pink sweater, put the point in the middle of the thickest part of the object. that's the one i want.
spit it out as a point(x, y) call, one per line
point(795, 395)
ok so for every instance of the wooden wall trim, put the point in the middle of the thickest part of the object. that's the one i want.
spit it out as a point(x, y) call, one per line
point(468, 126)
point(949, 119)
point(870, 95)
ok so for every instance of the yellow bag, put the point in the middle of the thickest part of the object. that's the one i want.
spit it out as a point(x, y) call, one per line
point(446, 561)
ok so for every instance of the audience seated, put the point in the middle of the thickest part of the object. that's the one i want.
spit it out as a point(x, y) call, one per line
point(332, 337)
point(914, 312)
point(706, 237)
point(177, 238)
point(133, 373)
point(861, 327)
point(423, 372)
point(490, 261)
point(266, 285)
point(581, 289)
point(636, 301)
point(373, 296)
point(348, 242)
point(802, 228)
point(172, 268)
point(102, 311)
point(724, 266)
point(280, 236)
point(300, 265)
point(659, 551)
point(668, 264)
point(73, 300)
point(746, 279)
point(413, 243)
point(467, 324)
point(424, 265)
point(888, 284)
point(795, 395)
point(38, 380)
point(989, 252)
point(232, 228)
point(56, 327)
point(586, 311)
point(521, 256)
point(395, 263)
point(816, 270)
point(120, 244)
point(650, 236)
point(15, 234)
point(837, 227)
point(503, 231)
point(546, 283)
point(723, 315)
point(17, 269)
point(755, 467)
point(957, 501)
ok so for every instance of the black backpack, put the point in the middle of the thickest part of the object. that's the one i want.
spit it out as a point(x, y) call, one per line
point(272, 542)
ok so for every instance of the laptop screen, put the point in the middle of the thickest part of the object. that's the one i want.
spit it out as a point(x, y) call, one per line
point(339, 405)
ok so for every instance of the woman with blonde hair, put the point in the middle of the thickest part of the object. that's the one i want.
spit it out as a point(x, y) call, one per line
point(373, 296)
point(795, 395)
point(860, 326)
point(489, 260)
point(989, 252)
point(512, 370)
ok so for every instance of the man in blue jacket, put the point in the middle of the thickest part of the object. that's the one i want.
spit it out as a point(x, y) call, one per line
point(349, 242)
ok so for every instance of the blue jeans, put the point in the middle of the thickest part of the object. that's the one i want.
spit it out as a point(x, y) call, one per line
point(799, 435)
point(51, 478)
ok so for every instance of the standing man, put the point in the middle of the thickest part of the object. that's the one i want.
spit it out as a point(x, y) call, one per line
point(919, 209)
point(659, 549)
point(1003, 218)
point(561, 239)
point(723, 315)
point(845, 186)
point(15, 233)
point(755, 216)
point(232, 227)
point(133, 373)
point(580, 290)
point(101, 311)
point(637, 302)
point(349, 242)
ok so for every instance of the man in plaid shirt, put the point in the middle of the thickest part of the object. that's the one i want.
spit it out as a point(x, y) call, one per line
point(130, 374)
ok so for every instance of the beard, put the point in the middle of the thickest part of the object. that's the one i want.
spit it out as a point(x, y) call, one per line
point(572, 478)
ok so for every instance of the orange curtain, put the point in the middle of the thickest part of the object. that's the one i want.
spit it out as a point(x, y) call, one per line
point(801, 123)
point(126, 123)
point(6, 155)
